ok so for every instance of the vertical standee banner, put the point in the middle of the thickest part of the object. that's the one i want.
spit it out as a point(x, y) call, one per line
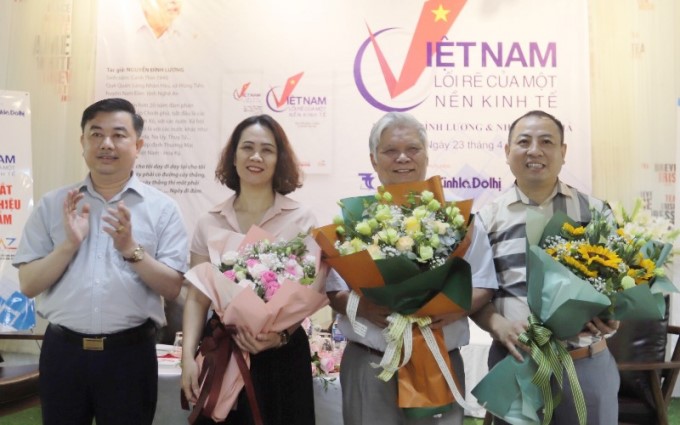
point(675, 298)
point(16, 201)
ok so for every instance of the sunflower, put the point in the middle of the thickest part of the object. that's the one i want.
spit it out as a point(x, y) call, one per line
point(643, 272)
point(573, 231)
point(576, 264)
point(600, 255)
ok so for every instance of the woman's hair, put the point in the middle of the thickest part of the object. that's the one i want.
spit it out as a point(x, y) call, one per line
point(287, 175)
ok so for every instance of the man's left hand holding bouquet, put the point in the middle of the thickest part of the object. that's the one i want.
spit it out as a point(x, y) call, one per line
point(398, 144)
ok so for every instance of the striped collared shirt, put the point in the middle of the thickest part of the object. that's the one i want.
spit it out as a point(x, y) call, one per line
point(505, 221)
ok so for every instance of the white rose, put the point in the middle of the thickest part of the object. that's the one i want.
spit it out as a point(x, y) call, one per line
point(229, 258)
point(257, 270)
point(404, 244)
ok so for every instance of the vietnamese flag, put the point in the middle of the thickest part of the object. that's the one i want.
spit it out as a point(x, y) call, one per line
point(291, 83)
point(436, 18)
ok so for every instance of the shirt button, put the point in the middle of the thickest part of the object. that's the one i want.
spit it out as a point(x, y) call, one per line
point(96, 309)
point(96, 281)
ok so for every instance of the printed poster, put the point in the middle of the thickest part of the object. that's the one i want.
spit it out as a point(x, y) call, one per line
point(16, 201)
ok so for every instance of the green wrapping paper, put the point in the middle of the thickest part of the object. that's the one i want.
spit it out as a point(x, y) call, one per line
point(560, 299)
point(561, 304)
point(407, 288)
point(516, 402)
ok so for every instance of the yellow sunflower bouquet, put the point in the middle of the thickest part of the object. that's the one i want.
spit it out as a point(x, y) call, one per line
point(574, 272)
point(625, 266)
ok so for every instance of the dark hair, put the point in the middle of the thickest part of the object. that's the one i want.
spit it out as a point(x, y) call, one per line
point(539, 114)
point(113, 105)
point(287, 175)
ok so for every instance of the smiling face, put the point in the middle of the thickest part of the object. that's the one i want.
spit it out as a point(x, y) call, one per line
point(535, 153)
point(110, 146)
point(256, 156)
point(400, 156)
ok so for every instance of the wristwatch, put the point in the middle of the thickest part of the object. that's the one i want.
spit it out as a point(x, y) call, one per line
point(285, 337)
point(137, 255)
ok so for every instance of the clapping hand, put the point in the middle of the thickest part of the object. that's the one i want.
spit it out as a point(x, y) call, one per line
point(76, 224)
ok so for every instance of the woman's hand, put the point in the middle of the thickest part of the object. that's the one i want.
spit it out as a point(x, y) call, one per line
point(256, 343)
point(190, 379)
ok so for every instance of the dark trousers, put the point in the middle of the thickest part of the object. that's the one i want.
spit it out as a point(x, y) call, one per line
point(115, 386)
point(282, 379)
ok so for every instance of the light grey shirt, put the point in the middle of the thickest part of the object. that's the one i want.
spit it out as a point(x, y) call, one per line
point(100, 292)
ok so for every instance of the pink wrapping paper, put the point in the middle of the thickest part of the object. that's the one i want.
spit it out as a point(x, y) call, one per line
point(242, 307)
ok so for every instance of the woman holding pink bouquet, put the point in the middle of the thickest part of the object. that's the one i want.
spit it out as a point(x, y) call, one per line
point(259, 165)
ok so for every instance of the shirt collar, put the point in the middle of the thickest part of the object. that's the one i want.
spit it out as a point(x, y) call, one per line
point(133, 184)
point(281, 203)
point(515, 194)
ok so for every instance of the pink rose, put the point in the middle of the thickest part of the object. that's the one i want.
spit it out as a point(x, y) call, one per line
point(270, 289)
point(268, 277)
point(327, 364)
point(230, 274)
point(293, 269)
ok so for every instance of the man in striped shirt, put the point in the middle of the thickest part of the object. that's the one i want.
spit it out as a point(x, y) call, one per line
point(535, 152)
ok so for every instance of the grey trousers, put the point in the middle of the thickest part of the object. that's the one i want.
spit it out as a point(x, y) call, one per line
point(366, 400)
point(599, 379)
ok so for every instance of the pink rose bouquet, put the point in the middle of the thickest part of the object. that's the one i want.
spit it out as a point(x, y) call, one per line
point(257, 284)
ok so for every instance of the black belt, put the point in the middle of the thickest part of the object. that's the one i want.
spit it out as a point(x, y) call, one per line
point(367, 348)
point(136, 335)
point(377, 352)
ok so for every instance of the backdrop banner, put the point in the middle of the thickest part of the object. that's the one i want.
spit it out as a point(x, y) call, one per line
point(16, 201)
point(465, 68)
